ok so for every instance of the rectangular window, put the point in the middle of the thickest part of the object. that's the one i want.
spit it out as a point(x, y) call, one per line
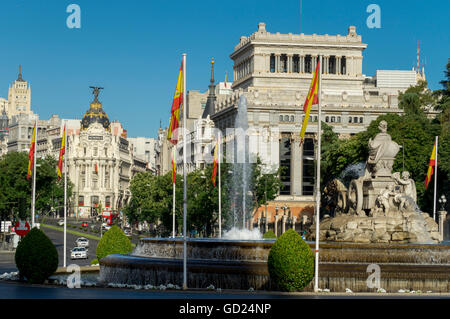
point(308, 64)
point(272, 63)
point(308, 167)
point(296, 64)
point(285, 164)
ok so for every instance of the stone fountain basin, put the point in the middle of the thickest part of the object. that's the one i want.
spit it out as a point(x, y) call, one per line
point(232, 264)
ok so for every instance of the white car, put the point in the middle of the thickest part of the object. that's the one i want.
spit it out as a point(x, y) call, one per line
point(82, 242)
point(106, 227)
point(61, 222)
point(79, 253)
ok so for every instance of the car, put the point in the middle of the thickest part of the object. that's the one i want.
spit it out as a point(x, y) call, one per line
point(106, 227)
point(84, 224)
point(127, 232)
point(61, 222)
point(82, 242)
point(79, 253)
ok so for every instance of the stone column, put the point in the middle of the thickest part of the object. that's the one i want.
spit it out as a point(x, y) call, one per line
point(338, 65)
point(259, 223)
point(301, 62)
point(290, 63)
point(277, 63)
point(276, 225)
point(283, 224)
point(266, 223)
point(442, 216)
point(294, 220)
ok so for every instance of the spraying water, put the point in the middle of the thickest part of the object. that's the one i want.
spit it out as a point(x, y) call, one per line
point(352, 171)
point(242, 234)
point(241, 171)
point(419, 226)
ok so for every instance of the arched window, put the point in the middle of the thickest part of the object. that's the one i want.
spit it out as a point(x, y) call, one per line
point(349, 119)
point(333, 119)
point(281, 118)
point(327, 119)
point(361, 120)
point(286, 118)
point(292, 118)
point(339, 119)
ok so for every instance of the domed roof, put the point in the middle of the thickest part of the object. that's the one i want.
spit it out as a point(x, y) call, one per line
point(95, 114)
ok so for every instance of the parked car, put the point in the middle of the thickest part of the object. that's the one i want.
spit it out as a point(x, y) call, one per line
point(82, 242)
point(106, 227)
point(79, 253)
point(61, 222)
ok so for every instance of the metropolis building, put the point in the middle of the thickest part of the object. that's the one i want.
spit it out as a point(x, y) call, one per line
point(101, 164)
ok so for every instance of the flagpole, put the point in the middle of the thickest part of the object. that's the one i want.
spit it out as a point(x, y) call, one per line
point(184, 177)
point(33, 201)
point(220, 188)
point(173, 200)
point(65, 194)
point(435, 179)
point(319, 127)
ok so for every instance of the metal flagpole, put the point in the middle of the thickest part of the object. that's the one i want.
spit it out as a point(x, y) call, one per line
point(184, 177)
point(65, 194)
point(316, 279)
point(435, 179)
point(219, 139)
point(33, 201)
point(173, 201)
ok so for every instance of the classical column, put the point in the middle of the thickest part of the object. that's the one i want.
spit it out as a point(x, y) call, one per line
point(266, 223)
point(259, 223)
point(294, 220)
point(301, 61)
point(277, 62)
point(289, 60)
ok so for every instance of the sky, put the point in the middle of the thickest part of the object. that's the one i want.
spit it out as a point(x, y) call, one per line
point(134, 48)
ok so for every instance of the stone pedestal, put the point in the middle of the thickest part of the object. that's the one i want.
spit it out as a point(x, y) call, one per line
point(442, 216)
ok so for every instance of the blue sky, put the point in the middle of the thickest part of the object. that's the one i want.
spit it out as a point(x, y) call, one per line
point(133, 48)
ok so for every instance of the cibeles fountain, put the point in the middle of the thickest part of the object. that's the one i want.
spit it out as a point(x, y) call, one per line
point(380, 206)
point(377, 222)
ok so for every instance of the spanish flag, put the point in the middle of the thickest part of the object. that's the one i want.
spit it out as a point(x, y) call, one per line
point(311, 99)
point(31, 153)
point(62, 151)
point(174, 167)
point(225, 79)
point(431, 166)
point(214, 173)
point(176, 106)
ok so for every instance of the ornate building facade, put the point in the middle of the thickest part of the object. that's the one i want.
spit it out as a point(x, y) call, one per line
point(101, 164)
point(273, 72)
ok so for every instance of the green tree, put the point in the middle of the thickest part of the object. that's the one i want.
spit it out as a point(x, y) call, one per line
point(15, 189)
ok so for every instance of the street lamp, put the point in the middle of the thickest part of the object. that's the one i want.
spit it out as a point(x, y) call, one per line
point(442, 201)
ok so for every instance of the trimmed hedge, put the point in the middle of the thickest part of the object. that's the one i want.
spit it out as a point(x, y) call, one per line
point(36, 257)
point(113, 241)
point(269, 234)
point(291, 262)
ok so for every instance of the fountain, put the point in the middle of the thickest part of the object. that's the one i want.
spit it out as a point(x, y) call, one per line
point(378, 223)
point(379, 206)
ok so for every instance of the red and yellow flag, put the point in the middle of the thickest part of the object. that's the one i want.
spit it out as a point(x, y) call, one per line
point(431, 166)
point(174, 167)
point(311, 99)
point(225, 79)
point(214, 173)
point(62, 151)
point(176, 106)
point(31, 154)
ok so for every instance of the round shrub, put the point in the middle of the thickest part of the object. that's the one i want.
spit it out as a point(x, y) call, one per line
point(113, 241)
point(291, 262)
point(269, 234)
point(36, 257)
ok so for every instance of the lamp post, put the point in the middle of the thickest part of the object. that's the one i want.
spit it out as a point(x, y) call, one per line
point(442, 215)
point(442, 201)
